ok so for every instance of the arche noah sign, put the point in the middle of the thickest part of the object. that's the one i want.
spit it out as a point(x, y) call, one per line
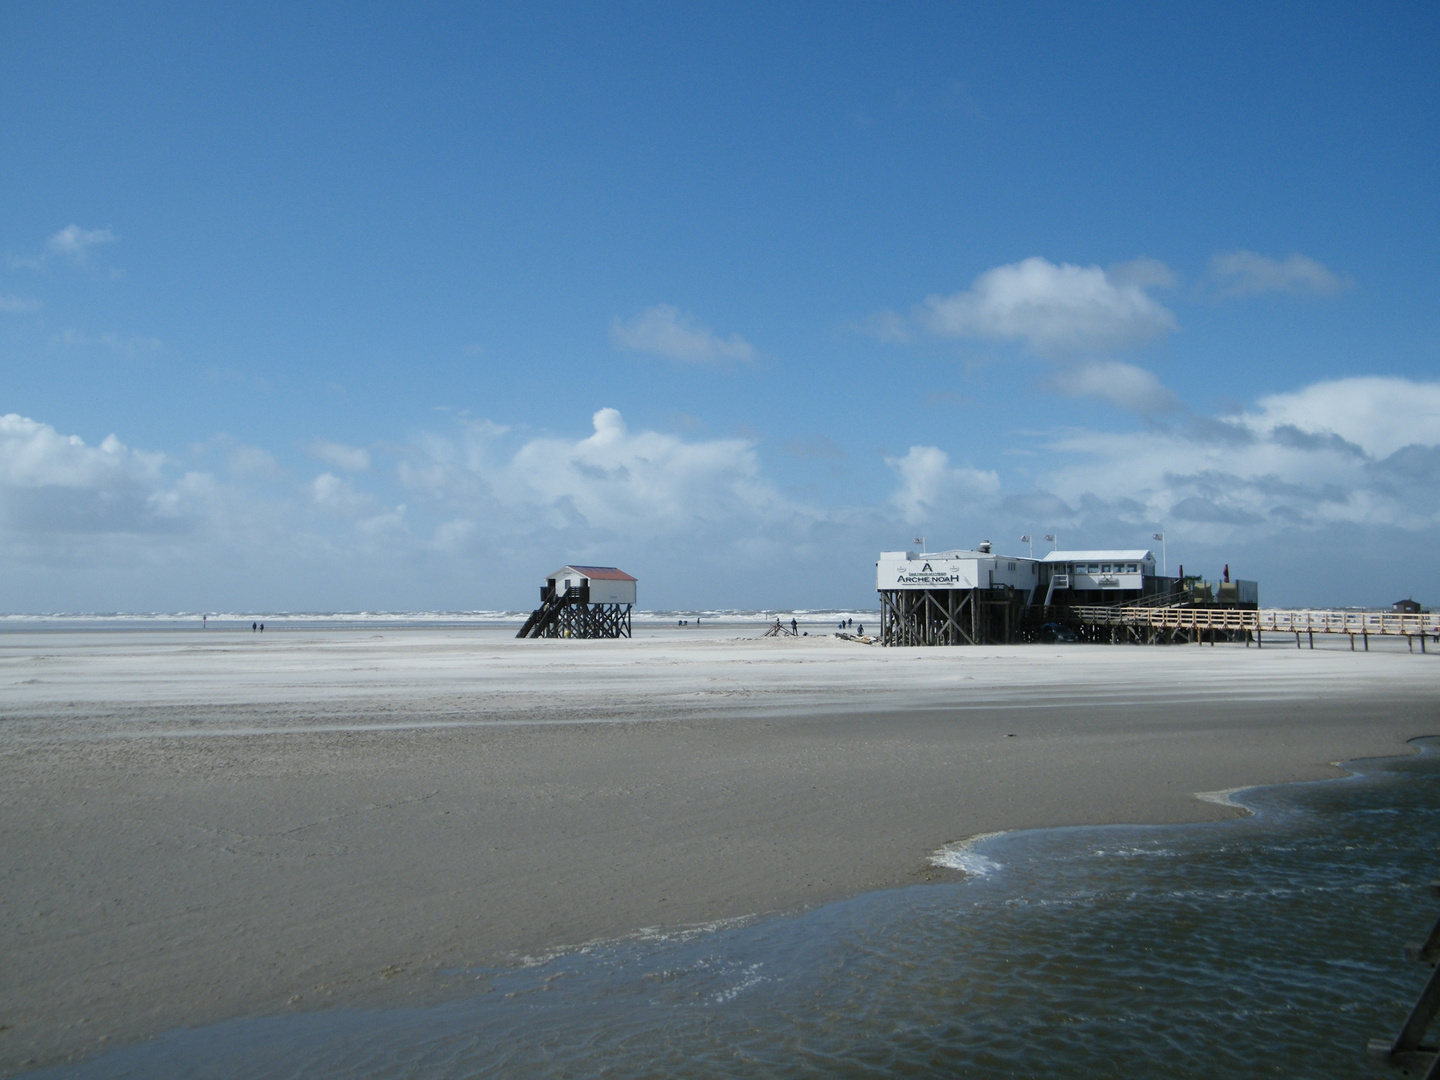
point(928, 576)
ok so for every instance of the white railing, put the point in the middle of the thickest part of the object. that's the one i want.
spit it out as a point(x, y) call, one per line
point(1268, 620)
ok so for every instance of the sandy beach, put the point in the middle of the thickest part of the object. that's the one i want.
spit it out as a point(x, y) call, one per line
point(199, 826)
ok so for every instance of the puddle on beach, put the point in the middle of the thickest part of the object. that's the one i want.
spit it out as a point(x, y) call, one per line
point(1265, 946)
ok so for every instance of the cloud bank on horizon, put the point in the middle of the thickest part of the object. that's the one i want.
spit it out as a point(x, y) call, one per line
point(560, 290)
point(1360, 452)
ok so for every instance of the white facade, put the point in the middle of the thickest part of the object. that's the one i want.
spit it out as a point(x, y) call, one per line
point(958, 569)
point(612, 592)
point(1124, 569)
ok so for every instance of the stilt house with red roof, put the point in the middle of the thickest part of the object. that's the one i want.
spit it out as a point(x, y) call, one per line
point(583, 602)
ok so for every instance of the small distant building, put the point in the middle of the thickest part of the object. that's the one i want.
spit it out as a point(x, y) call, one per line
point(1407, 607)
point(583, 602)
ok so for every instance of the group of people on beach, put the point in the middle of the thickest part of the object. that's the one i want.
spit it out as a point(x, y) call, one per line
point(795, 626)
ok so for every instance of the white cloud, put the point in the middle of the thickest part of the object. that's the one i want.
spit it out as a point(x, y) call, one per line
point(337, 496)
point(1244, 273)
point(116, 343)
point(888, 326)
point(1144, 272)
point(17, 305)
point(621, 481)
point(252, 461)
point(663, 331)
point(1122, 384)
point(930, 485)
point(33, 454)
point(1377, 413)
point(387, 521)
point(73, 242)
point(1361, 452)
point(635, 484)
point(340, 456)
point(1055, 309)
point(52, 483)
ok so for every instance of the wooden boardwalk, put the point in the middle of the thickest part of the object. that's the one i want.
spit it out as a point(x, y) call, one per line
point(1156, 624)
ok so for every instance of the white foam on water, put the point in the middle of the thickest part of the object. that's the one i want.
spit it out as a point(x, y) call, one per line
point(681, 934)
point(962, 856)
point(750, 978)
point(689, 931)
point(1133, 853)
point(1226, 797)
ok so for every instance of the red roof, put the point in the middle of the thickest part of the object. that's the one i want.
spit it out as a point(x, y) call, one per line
point(603, 573)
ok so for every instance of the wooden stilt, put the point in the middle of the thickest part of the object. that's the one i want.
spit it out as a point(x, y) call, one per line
point(1407, 1050)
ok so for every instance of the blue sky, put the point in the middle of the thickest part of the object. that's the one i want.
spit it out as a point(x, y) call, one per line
point(394, 307)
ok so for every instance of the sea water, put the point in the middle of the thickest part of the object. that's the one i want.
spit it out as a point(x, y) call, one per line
point(1266, 946)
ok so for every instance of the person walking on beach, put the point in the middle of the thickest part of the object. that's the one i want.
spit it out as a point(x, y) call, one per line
point(794, 628)
point(254, 626)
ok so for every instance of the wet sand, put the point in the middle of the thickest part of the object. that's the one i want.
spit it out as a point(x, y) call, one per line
point(194, 828)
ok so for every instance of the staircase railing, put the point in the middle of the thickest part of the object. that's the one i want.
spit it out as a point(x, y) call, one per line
point(541, 618)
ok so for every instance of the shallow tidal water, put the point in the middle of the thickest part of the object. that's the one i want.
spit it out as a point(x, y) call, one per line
point(1266, 946)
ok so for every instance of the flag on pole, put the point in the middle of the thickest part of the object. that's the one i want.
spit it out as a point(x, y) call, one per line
point(1025, 539)
point(1050, 537)
point(1158, 536)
